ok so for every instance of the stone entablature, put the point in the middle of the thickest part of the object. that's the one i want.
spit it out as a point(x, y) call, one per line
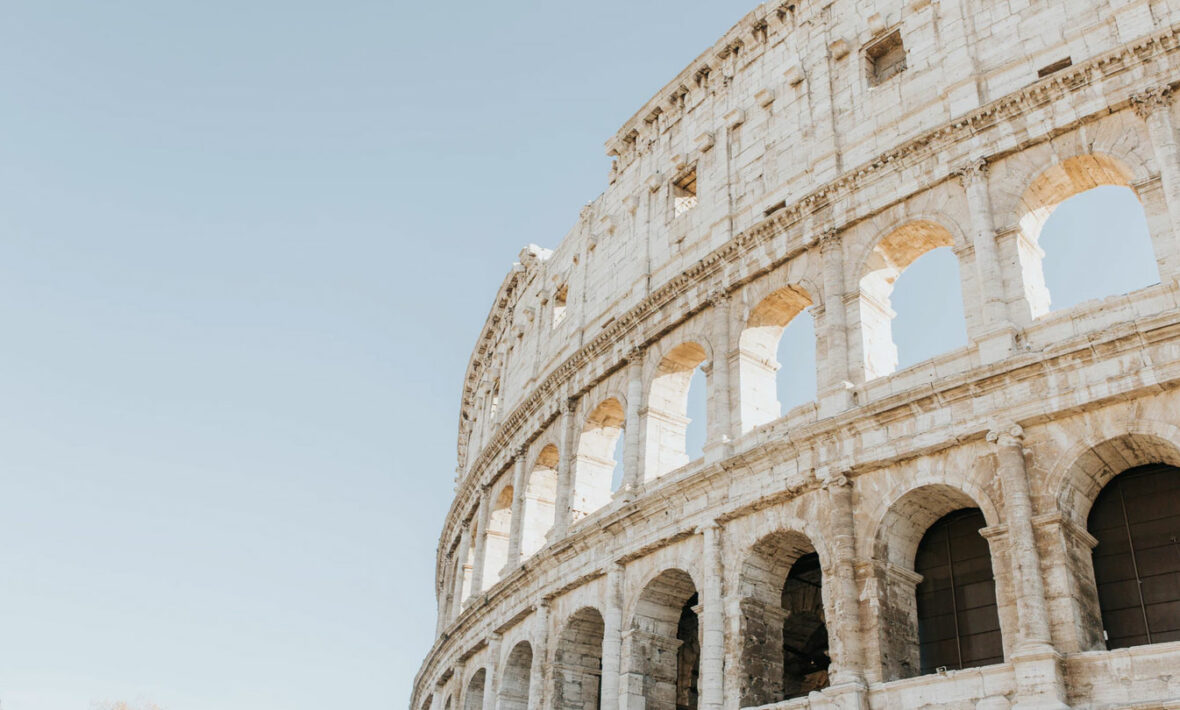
point(1006, 424)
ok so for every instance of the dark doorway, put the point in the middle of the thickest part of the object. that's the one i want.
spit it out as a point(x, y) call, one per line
point(1136, 519)
point(958, 626)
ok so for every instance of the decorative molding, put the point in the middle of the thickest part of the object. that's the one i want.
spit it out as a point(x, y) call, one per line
point(1150, 100)
point(1007, 435)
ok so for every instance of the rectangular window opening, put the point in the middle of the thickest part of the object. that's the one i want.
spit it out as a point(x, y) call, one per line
point(684, 192)
point(885, 58)
point(559, 301)
point(1054, 67)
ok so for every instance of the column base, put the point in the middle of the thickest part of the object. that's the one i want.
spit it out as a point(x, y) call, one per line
point(847, 694)
point(835, 400)
point(997, 345)
point(718, 450)
point(1040, 677)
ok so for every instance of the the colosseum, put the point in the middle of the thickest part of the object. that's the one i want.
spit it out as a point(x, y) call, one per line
point(995, 527)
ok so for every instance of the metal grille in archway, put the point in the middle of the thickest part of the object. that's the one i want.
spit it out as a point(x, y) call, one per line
point(1136, 519)
point(958, 626)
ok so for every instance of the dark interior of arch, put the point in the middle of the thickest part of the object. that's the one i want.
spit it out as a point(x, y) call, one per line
point(958, 624)
point(805, 634)
point(688, 657)
point(1136, 520)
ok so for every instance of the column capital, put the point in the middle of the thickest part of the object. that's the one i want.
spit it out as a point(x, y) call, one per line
point(719, 297)
point(712, 525)
point(1151, 99)
point(972, 172)
point(1006, 435)
point(831, 481)
point(635, 355)
point(568, 405)
point(518, 453)
point(829, 239)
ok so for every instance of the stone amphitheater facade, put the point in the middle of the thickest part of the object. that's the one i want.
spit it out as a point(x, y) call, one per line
point(797, 167)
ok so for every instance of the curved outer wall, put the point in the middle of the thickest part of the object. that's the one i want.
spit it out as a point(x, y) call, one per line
point(822, 167)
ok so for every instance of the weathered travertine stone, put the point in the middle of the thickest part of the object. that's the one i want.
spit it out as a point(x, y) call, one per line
point(795, 170)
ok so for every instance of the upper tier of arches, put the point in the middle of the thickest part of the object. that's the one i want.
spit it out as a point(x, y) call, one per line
point(780, 117)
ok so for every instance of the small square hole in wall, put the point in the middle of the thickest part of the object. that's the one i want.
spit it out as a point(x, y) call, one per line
point(885, 58)
point(559, 299)
point(684, 192)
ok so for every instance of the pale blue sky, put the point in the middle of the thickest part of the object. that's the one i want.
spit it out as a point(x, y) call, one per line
point(245, 251)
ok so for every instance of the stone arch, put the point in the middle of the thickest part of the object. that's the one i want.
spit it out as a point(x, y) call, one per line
point(1135, 521)
point(662, 644)
point(666, 421)
point(1074, 483)
point(889, 256)
point(499, 529)
point(757, 353)
point(514, 681)
point(784, 634)
point(895, 540)
point(1048, 189)
point(473, 695)
point(540, 494)
point(1084, 470)
point(595, 462)
point(1120, 141)
point(578, 662)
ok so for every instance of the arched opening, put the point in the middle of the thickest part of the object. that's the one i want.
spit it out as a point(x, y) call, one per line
point(1096, 244)
point(764, 389)
point(514, 684)
point(668, 409)
point(578, 662)
point(539, 496)
point(928, 299)
point(1084, 214)
point(664, 652)
point(597, 459)
point(897, 576)
point(473, 696)
point(1136, 520)
point(891, 256)
point(496, 545)
point(958, 622)
point(784, 633)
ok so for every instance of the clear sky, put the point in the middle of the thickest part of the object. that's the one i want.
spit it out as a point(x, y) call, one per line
point(245, 251)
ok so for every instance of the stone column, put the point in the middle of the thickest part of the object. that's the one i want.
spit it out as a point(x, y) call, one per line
point(633, 444)
point(1154, 106)
point(492, 677)
point(516, 525)
point(1039, 673)
point(720, 422)
point(463, 568)
point(712, 621)
point(481, 540)
point(537, 680)
point(846, 631)
point(834, 371)
point(612, 638)
point(565, 469)
point(997, 335)
point(460, 686)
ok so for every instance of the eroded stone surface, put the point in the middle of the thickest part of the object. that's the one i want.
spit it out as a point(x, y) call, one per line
point(794, 170)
